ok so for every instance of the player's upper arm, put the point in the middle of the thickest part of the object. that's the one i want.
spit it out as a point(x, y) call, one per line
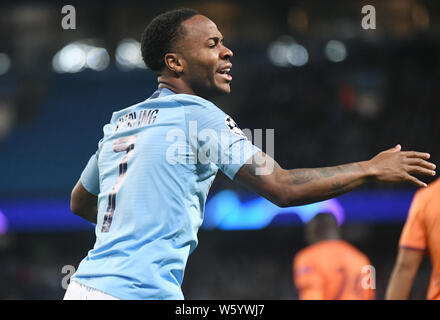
point(407, 264)
point(413, 240)
point(84, 196)
point(81, 200)
point(414, 236)
point(264, 176)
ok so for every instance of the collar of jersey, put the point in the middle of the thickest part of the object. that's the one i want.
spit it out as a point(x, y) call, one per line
point(161, 92)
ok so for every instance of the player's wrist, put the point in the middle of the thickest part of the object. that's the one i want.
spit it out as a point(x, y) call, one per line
point(370, 171)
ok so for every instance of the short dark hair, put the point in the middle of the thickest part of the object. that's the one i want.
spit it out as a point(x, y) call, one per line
point(159, 35)
point(323, 226)
point(324, 221)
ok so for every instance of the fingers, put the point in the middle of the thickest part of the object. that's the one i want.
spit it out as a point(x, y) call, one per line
point(421, 170)
point(415, 154)
point(421, 163)
point(416, 181)
point(395, 149)
point(417, 164)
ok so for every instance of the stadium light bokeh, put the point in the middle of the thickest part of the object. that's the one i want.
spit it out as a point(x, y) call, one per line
point(285, 52)
point(77, 56)
point(335, 51)
point(5, 63)
point(128, 55)
point(297, 55)
point(98, 59)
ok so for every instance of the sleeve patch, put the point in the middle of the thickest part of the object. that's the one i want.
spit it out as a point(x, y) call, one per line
point(233, 127)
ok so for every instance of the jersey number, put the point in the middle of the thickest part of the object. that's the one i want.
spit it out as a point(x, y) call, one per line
point(123, 144)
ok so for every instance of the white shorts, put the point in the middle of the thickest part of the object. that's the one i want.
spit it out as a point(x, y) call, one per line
point(78, 291)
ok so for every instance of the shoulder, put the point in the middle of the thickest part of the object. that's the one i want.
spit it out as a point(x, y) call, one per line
point(121, 112)
point(192, 100)
point(356, 252)
point(422, 198)
point(425, 194)
point(203, 111)
point(426, 203)
point(306, 254)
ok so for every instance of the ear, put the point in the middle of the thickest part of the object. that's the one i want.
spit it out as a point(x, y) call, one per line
point(173, 62)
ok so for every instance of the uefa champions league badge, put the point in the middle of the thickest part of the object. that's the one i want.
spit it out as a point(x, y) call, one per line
point(233, 127)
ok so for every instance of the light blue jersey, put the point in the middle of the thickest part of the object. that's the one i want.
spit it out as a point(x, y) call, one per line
point(152, 173)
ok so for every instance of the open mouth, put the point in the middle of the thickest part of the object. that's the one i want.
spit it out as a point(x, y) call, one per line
point(225, 73)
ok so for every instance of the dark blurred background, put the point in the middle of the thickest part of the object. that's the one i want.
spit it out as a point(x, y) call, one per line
point(332, 91)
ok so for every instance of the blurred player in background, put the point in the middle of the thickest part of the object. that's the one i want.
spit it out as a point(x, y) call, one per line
point(146, 186)
point(420, 236)
point(329, 268)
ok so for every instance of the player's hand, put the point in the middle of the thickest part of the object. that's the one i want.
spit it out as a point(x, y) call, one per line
point(394, 165)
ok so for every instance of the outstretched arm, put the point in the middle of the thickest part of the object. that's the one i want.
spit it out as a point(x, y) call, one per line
point(407, 264)
point(302, 186)
point(83, 203)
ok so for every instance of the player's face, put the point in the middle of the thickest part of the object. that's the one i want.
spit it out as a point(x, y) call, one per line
point(206, 59)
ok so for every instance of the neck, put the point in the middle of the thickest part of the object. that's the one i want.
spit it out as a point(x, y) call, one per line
point(325, 238)
point(175, 85)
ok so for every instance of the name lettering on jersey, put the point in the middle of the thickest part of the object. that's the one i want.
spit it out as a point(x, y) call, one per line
point(131, 120)
point(147, 117)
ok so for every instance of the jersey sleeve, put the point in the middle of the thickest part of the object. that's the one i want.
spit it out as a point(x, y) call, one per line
point(90, 176)
point(219, 139)
point(307, 279)
point(414, 233)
